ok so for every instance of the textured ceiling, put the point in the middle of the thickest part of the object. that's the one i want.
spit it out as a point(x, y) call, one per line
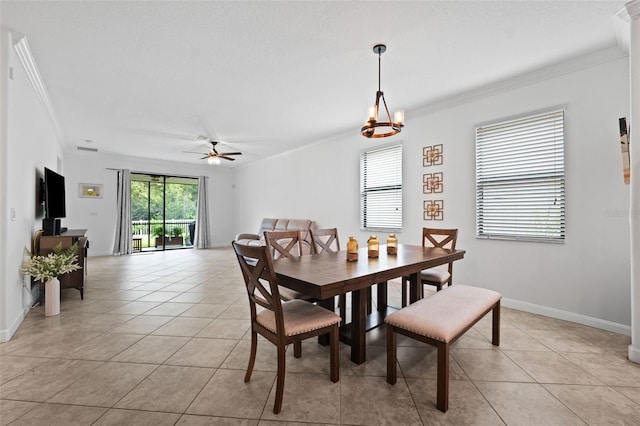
point(144, 78)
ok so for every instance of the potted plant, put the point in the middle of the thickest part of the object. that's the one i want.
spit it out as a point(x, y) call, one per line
point(176, 235)
point(47, 269)
point(158, 232)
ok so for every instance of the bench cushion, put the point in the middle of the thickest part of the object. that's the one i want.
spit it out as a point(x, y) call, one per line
point(446, 314)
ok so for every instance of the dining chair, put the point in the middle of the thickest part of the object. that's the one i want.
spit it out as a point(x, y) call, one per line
point(327, 241)
point(282, 323)
point(285, 244)
point(441, 238)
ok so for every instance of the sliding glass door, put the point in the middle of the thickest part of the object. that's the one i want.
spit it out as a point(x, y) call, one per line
point(163, 211)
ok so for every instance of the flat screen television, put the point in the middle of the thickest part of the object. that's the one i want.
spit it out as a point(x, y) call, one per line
point(54, 195)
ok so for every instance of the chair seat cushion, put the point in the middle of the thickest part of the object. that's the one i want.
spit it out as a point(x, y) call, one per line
point(299, 317)
point(446, 314)
point(435, 275)
point(288, 294)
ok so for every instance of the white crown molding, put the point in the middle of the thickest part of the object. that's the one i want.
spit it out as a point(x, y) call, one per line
point(21, 46)
point(573, 65)
point(625, 15)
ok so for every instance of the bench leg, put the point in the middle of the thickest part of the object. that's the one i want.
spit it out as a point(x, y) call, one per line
point(495, 340)
point(392, 374)
point(443, 377)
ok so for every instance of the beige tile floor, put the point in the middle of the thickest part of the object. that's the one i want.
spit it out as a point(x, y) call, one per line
point(162, 339)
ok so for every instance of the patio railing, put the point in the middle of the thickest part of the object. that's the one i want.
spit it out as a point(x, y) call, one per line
point(145, 228)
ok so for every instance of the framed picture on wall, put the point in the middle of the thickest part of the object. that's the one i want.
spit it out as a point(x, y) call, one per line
point(89, 190)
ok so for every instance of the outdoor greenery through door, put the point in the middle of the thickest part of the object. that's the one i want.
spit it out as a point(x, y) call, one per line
point(163, 210)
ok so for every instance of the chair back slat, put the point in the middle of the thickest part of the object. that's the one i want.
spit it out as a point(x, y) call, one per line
point(256, 265)
point(284, 243)
point(325, 240)
point(441, 238)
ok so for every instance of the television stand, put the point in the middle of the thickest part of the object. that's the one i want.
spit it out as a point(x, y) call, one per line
point(73, 279)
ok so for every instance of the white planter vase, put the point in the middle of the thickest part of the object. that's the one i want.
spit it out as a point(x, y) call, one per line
point(52, 297)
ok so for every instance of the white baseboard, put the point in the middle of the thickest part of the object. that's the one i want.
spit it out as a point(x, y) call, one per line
point(634, 354)
point(569, 316)
point(7, 333)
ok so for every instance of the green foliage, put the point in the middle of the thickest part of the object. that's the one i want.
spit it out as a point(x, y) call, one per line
point(59, 261)
point(158, 231)
point(177, 231)
point(147, 200)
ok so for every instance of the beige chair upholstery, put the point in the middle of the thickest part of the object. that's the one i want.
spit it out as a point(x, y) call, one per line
point(282, 323)
point(439, 320)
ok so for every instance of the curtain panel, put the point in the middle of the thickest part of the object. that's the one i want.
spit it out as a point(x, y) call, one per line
point(123, 242)
point(203, 232)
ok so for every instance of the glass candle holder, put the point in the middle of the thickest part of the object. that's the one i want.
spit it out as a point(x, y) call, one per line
point(373, 246)
point(392, 244)
point(352, 249)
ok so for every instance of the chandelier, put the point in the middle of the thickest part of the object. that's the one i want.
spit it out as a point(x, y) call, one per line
point(381, 129)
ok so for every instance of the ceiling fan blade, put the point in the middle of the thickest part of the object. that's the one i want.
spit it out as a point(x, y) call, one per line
point(230, 153)
point(202, 158)
point(226, 158)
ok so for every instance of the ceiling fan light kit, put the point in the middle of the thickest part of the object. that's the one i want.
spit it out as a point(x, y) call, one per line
point(214, 159)
point(381, 129)
point(213, 156)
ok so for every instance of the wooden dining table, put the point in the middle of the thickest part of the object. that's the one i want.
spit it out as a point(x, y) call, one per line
point(325, 275)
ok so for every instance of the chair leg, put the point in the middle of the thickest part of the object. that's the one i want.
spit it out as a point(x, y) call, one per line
point(443, 377)
point(277, 406)
point(392, 373)
point(252, 356)
point(404, 291)
point(334, 369)
point(342, 306)
point(297, 349)
point(495, 338)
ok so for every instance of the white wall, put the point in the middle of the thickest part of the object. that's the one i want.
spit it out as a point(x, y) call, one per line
point(30, 143)
point(586, 279)
point(98, 216)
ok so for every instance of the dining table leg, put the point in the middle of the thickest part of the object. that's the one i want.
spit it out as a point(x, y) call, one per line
point(382, 296)
point(414, 290)
point(329, 304)
point(358, 326)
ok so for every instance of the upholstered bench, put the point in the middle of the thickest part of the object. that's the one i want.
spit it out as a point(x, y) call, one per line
point(439, 320)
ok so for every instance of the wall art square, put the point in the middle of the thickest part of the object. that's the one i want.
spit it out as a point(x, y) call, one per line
point(432, 155)
point(432, 183)
point(89, 190)
point(434, 210)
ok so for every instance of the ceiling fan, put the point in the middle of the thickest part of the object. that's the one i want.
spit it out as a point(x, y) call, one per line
point(213, 156)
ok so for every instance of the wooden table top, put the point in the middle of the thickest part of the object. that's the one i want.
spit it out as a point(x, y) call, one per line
point(325, 275)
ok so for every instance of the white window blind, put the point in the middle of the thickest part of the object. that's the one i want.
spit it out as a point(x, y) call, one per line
point(520, 188)
point(381, 189)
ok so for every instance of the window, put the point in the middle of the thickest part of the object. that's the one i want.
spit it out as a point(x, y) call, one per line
point(381, 189)
point(520, 178)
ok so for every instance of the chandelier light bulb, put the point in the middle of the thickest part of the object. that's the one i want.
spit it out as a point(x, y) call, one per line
point(213, 160)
